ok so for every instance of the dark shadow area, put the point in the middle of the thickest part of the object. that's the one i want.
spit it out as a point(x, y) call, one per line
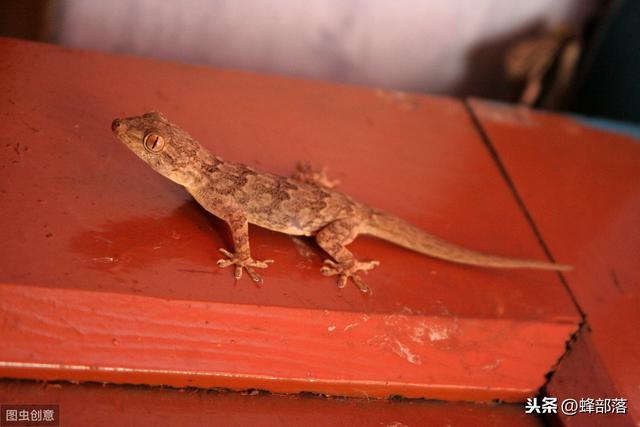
point(486, 76)
point(27, 19)
point(611, 86)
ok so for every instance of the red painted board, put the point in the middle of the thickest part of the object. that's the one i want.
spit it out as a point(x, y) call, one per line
point(92, 404)
point(582, 186)
point(581, 373)
point(82, 213)
point(63, 334)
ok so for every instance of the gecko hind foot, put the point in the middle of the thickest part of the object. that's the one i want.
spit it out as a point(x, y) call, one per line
point(247, 263)
point(305, 173)
point(343, 272)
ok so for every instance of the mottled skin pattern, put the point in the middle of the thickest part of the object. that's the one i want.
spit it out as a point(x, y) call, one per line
point(303, 205)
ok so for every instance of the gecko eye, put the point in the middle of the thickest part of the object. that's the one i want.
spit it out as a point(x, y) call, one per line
point(153, 142)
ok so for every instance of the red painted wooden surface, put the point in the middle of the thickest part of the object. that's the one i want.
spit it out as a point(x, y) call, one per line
point(91, 404)
point(581, 373)
point(589, 214)
point(76, 335)
point(121, 262)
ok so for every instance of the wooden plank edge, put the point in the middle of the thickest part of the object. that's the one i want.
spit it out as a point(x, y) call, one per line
point(59, 334)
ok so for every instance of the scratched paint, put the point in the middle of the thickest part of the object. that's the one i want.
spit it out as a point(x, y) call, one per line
point(406, 333)
point(397, 347)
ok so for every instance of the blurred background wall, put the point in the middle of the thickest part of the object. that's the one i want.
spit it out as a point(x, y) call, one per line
point(536, 51)
point(450, 47)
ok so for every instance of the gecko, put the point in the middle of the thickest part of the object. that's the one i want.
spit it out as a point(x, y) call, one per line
point(305, 204)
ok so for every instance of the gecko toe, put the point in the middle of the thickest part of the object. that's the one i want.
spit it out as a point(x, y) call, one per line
point(342, 281)
point(222, 263)
point(360, 284)
point(225, 252)
point(262, 264)
point(344, 272)
point(369, 265)
point(327, 271)
point(243, 262)
point(257, 279)
point(330, 268)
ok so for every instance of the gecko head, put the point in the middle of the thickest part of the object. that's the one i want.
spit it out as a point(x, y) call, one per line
point(165, 147)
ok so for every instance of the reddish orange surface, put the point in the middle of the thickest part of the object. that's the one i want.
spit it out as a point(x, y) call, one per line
point(92, 404)
point(62, 334)
point(80, 212)
point(589, 214)
point(581, 374)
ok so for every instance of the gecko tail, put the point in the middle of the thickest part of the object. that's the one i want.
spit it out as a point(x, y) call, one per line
point(401, 233)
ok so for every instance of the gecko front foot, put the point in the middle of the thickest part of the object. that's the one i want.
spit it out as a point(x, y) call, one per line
point(247, 263)
point(343, 272)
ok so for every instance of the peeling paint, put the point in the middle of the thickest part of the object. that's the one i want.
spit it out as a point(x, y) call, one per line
point(397, 347)
point(405, 352)
point(404, 330)
point(104, 260)
point(350, 325)
point(418, 333)
point(492, 366)
point(438, 333)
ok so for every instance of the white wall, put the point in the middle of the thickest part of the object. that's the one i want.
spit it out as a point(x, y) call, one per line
point(438, 46)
